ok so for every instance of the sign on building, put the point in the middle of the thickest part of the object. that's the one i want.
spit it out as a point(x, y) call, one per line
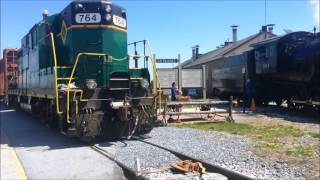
point(192, 78)
point(167, 76)
point(167, 60)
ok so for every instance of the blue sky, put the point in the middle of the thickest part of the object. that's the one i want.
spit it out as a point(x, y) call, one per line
point(173, 27)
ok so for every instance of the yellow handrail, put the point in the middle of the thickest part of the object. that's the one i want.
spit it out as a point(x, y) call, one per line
point(156, 85)
point(55, 74)
point(71, 77)
point(156, 89)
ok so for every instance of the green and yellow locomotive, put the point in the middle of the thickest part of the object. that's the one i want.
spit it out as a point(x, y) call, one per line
point(74, 70)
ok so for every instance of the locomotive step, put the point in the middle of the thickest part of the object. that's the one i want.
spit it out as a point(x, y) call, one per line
point(118, 89)
point(119, 79)
point(72, 132)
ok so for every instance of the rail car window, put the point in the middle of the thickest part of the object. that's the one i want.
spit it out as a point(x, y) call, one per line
point(261, 54)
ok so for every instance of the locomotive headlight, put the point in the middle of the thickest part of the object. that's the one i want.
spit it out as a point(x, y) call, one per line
point(144, 83)
point(91, 84)
point(108, 8)
point(78, 6)
point(108, 17)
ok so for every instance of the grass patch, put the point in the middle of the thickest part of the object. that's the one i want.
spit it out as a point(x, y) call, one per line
point(233, 128)
point(279, 131)
point(315, 135)
point(301, 151)
point(261, 133)
point(277, 138)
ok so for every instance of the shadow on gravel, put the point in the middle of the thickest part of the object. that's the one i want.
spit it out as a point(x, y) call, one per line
point(294, 115)
point(306, 115)
point(25, 131)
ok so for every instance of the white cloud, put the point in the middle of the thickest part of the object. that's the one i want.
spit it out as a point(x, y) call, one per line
point(315, 4)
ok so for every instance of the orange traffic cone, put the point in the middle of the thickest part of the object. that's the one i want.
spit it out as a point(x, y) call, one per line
point(253, 105)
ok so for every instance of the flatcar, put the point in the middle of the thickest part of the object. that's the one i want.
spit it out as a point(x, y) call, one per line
point(283, 68)
point(73, 69)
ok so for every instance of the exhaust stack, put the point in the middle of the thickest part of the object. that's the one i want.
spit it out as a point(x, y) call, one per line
point(234, 33)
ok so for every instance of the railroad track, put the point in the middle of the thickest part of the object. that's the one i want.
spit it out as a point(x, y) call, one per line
point(209, 167)
point(128, 172)
point(132, 173)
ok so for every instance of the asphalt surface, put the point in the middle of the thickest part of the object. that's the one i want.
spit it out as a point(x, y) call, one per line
point(46, 154)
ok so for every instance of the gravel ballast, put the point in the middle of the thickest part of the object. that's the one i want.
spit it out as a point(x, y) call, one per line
point(218, 148)
point(154, 162)
point(228, 151)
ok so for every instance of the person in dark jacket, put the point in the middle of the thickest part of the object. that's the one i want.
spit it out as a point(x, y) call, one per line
point(174, 92)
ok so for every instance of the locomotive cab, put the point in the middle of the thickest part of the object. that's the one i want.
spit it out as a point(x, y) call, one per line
point(94, 27)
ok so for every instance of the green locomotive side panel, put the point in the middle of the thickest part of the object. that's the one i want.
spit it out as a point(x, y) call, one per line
point(117, 48)
point(140, 73)
point(98, 40)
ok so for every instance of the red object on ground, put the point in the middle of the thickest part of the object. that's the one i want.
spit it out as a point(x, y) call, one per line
point(8, 70)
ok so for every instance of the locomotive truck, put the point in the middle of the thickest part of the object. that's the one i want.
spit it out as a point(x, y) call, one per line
point(73, 69)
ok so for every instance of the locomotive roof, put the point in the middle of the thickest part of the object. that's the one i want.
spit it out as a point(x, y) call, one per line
point(279, 38)
point(267, 41)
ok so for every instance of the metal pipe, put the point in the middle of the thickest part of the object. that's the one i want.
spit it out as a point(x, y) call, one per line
point(135, 53)
point(144, 53)
point(234, 33)
point(230, 118)
point(179, 72)
point(204, 82)
point(244, 90)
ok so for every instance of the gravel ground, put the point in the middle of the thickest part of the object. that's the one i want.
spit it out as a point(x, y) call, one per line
point(168, 175)
point(154, 162)
point(225, 150)
point(149, 156)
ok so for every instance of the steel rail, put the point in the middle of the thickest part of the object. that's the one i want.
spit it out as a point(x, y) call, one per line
point(128, 172)
point(231, 175)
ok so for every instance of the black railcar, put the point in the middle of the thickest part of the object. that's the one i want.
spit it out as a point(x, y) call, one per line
point(228, 79)
point(280, 68)
point(287, 68)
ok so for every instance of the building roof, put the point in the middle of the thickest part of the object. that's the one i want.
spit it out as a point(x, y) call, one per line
point(263, 42)
point(220, 52)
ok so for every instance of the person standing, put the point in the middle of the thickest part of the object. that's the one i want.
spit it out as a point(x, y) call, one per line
point(174, 92)
point(248, 93)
